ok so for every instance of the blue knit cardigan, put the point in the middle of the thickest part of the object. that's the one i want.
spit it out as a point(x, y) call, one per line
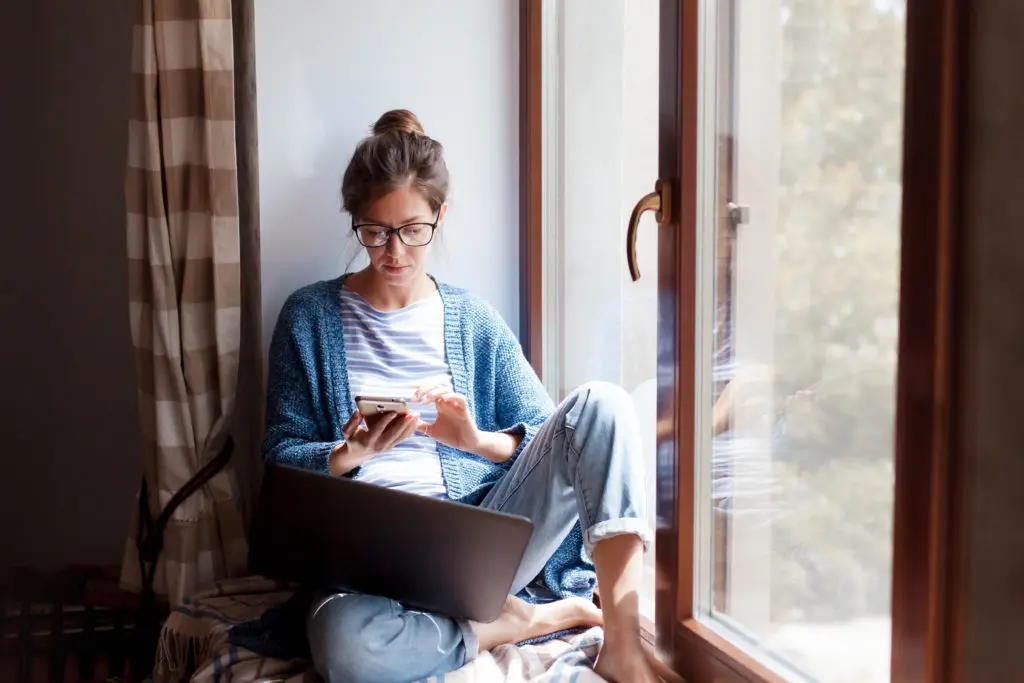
point(309, 400)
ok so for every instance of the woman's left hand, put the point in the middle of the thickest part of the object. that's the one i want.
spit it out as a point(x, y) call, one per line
point(454, 426)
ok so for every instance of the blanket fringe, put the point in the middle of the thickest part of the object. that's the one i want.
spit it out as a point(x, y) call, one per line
point(177, 654)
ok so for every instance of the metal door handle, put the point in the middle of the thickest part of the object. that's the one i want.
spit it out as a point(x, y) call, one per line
point(657, 201)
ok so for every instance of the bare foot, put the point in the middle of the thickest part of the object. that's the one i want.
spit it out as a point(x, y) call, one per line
point(663, 670)
point(624, 666)
point(633, 664)
point(520, 620)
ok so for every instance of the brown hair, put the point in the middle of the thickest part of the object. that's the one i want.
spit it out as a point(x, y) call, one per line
point(398, 153)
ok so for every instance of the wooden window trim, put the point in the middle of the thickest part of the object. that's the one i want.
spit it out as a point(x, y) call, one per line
point(531, 255)
point(927, 502)
point(696, 650)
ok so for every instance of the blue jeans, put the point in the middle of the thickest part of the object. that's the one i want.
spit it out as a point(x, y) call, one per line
point(585, 461)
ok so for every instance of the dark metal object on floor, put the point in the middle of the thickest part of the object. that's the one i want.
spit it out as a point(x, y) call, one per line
point(73, 624)
point(150, 543)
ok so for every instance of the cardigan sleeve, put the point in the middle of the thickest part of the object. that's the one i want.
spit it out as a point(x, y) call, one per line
point(522, 404)
point(293, 433)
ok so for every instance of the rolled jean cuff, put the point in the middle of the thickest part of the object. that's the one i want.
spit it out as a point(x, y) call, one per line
point(617, 527)
point(470, 641)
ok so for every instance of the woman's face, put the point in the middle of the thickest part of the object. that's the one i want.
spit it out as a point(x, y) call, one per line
point(396, 263)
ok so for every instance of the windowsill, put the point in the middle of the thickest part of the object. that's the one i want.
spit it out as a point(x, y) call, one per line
point(699, 641)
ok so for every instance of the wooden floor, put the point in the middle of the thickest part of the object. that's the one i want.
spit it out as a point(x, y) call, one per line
point(71, 625)
point(101, 655)
point(39, 671)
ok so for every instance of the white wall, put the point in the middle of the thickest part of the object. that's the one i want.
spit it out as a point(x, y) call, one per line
point(326, 69)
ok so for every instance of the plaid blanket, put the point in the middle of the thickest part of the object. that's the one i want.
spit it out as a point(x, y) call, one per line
point(196, 644)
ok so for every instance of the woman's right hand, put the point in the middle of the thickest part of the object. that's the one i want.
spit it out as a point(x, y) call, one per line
point(362, 442)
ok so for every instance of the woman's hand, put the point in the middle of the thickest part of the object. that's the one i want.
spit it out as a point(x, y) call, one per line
point(363, 442)
point(455, 427)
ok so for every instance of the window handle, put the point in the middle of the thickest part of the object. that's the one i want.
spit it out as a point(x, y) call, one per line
point(658, 201)
point(738, 214)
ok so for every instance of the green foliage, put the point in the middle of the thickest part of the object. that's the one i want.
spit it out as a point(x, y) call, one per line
point(837, 273)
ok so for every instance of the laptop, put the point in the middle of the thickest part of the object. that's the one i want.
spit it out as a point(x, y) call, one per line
point(338, 534)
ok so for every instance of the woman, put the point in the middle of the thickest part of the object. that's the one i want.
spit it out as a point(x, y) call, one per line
point(486, 433)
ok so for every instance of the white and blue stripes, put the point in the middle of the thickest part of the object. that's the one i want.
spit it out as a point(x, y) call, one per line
point(390, 354)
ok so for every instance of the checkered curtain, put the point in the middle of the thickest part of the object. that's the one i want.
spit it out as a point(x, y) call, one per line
point(185, 284)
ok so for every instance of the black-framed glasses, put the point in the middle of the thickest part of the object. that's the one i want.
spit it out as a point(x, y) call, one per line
point(373, 236)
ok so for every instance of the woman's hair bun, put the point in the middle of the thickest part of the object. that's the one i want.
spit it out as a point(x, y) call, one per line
point(398, 154)
point(398, 121)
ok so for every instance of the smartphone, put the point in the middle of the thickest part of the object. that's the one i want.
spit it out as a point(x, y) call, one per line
point(373, 407)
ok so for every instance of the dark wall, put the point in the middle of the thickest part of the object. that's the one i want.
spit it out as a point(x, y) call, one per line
point(68, 425)
point(992, 421)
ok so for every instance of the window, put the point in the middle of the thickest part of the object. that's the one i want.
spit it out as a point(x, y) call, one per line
point(794, 453)
point(800, 260)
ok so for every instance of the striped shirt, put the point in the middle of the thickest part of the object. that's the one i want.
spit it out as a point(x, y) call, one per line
point(390, 354)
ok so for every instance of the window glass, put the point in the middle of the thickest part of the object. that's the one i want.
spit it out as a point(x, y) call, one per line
point(800, 261)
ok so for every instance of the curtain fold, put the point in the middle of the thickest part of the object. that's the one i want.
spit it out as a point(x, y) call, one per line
point(185, 285)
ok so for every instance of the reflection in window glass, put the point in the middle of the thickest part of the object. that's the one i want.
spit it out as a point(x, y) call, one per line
point(803, 363)
point(601, 158)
